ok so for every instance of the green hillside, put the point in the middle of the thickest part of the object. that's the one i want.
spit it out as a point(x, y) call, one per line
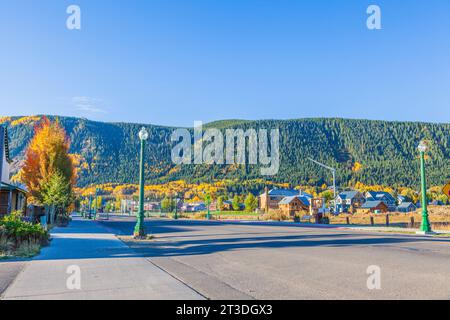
point(387, 151)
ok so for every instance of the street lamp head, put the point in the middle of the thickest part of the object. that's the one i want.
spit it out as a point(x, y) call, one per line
point(143, 134)
point(423, 147)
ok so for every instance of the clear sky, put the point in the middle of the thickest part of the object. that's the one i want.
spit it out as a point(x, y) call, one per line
point(171, 62)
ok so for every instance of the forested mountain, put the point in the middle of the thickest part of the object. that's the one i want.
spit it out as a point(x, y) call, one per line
point(372, 152)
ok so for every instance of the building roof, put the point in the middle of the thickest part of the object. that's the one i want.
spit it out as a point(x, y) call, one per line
point(371, 204)
point(348, 194)
point(375, 195)
point(288, 200)
point(196, 204)
point(304, 199)
point(287, 193)
point(7, 186)
point(283, 192)
point(405, 205)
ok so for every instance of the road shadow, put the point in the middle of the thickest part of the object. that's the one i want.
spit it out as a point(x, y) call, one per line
point(170, 242)
point(170, 245)
point(208, 246)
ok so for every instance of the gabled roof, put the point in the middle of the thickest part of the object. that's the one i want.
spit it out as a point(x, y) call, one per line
point(405, 205)
point(376, 195)
point(304, 199)
point(348, 194)
point(287, 200)
point(287, 193)
point(371, 204)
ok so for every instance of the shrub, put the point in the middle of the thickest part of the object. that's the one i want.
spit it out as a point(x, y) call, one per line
point(202, 215)
point(276, 216)
point(180, 215)
point(18, 236)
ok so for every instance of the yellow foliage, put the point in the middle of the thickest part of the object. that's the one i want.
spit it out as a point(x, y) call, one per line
point(357, 167)
point(174, 170)
point(361, 187)
point(5, 119)
point(46, 155)
point(26, 120)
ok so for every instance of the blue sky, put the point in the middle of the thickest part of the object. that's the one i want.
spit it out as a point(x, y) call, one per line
point(172, 62)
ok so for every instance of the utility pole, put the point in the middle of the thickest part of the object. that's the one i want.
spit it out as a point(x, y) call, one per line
point(333, 170)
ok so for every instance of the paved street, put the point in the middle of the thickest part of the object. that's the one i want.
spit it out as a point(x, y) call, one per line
point(224, 260)
point(229, 260)
point(108, 270)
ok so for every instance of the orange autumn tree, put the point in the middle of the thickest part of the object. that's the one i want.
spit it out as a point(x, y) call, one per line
point(48, 170)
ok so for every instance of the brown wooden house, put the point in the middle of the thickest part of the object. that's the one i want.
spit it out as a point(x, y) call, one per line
point(270, 200)
point(292, 205)
point(373, 207)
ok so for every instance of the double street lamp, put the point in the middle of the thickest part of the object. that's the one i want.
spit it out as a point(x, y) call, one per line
point(139, 230)
point(425, 226)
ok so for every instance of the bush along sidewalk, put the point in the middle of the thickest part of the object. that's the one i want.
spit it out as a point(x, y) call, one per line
point(19, 238)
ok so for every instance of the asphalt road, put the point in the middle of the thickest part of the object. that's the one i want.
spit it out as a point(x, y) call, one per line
point(224, 260)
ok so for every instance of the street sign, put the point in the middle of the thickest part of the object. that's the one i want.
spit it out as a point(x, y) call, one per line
point(446, 190)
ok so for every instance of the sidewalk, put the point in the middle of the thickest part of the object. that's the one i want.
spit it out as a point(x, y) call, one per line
point(109, 270)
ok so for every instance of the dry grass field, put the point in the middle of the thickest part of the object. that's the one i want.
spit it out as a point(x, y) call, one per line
point(439, 218)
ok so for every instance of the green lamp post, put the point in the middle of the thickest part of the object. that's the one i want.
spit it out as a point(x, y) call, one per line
point(208, 203)
point(139, 230)
point(425, 226)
